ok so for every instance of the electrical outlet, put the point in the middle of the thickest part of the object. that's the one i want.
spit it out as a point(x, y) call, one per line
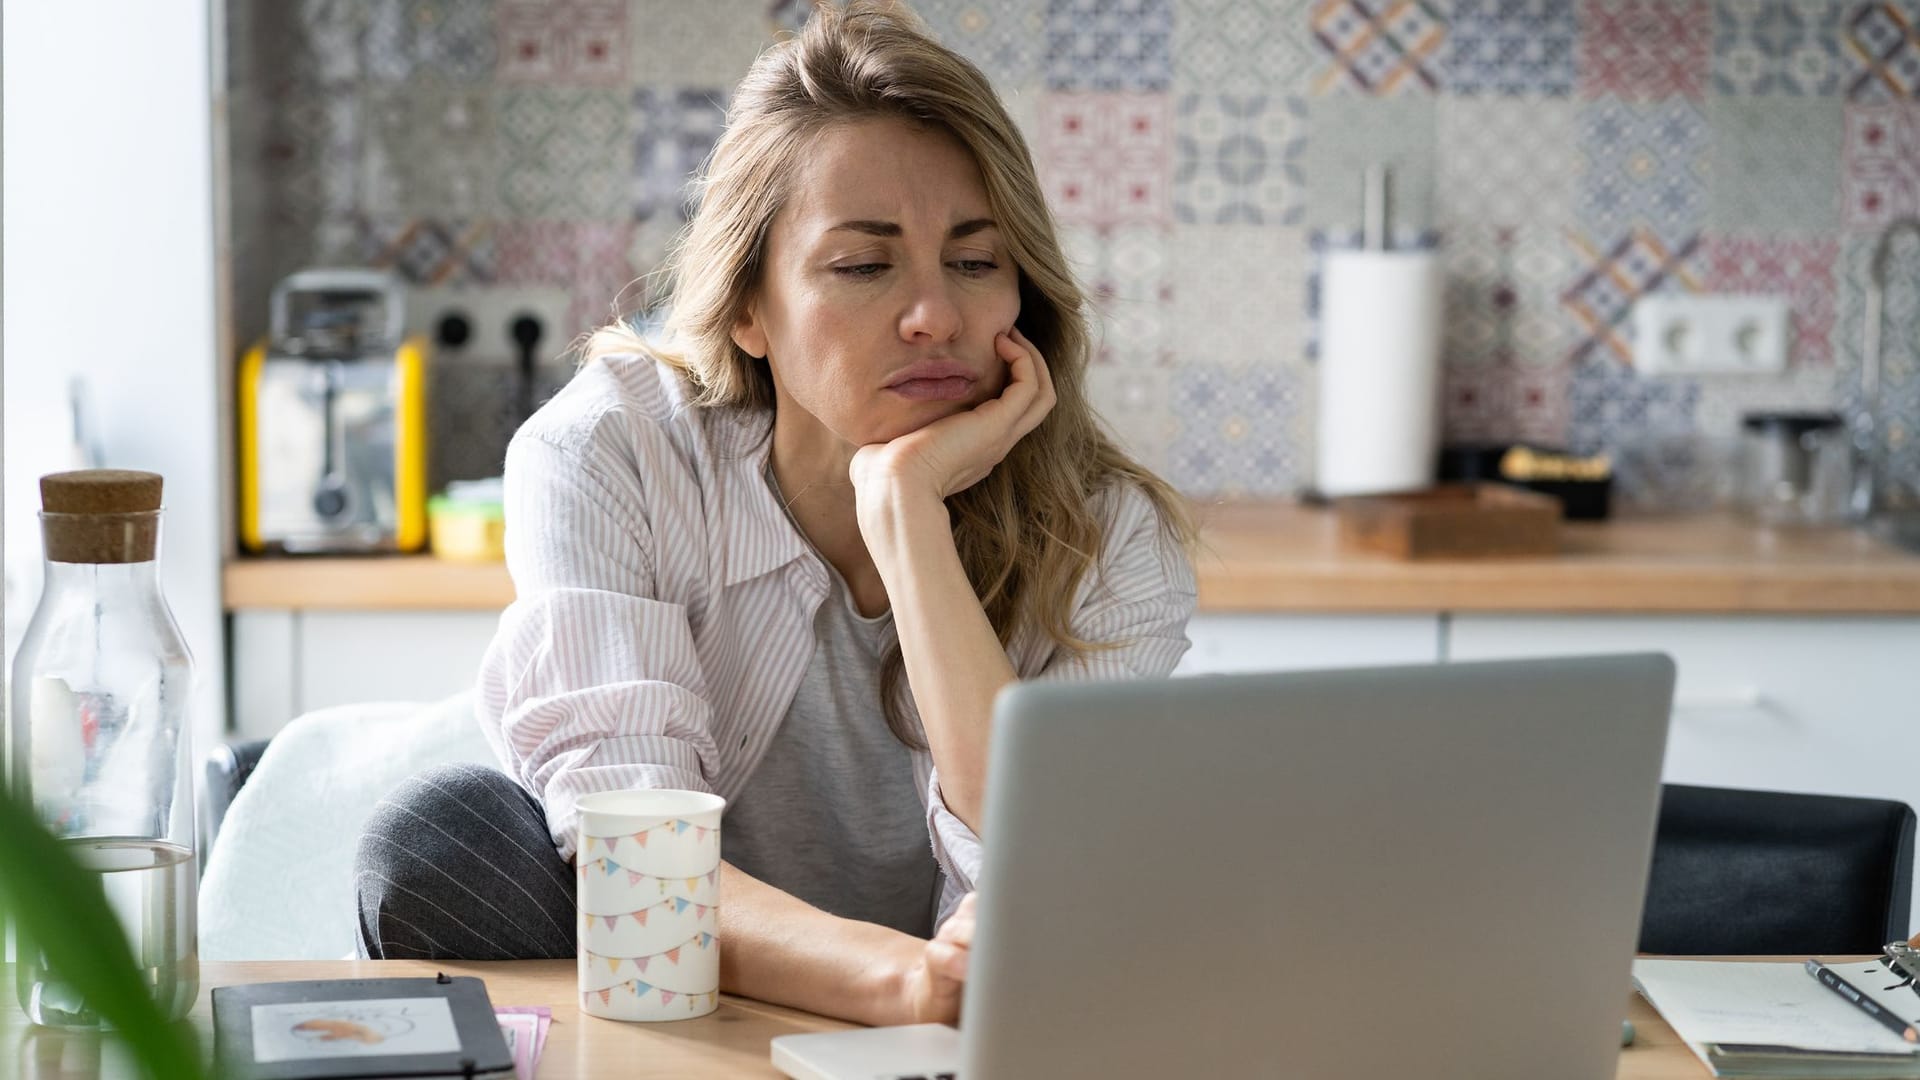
point(1710, 335)
point(490, 311)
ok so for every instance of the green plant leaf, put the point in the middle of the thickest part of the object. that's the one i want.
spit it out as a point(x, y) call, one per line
point(61, 910)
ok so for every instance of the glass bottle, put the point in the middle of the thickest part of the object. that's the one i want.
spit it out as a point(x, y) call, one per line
point(100, 744)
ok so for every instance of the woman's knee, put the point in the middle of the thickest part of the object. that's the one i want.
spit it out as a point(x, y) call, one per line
point(457, 862)
point(446, 814)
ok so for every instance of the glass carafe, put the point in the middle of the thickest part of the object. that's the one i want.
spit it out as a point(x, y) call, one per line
point(100, 742)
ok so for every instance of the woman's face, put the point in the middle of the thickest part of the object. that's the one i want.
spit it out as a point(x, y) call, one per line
point(884, 282)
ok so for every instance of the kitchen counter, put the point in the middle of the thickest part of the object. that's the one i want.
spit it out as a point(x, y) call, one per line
point(1283, 557)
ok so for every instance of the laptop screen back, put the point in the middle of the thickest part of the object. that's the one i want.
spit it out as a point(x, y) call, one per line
point(1430, 871)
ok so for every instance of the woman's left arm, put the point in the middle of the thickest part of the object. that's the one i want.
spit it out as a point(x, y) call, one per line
point(954, 662)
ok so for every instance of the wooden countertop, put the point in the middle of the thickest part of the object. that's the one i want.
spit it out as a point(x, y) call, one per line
point(1283, 557)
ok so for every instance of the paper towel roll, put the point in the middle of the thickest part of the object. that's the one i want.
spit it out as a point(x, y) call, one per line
point(1379, 426)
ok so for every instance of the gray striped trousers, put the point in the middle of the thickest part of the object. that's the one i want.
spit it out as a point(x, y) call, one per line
point(457, 864)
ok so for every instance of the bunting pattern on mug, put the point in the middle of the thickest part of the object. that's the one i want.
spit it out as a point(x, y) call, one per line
point(701, 941)
point(641, 989)
point(611, 843)
point(677, 903)
point(608, 867)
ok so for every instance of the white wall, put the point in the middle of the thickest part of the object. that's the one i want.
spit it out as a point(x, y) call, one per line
point(109, 275)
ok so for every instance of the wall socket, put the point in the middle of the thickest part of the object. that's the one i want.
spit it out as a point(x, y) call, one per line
point(1710, 335)
point(490, 311)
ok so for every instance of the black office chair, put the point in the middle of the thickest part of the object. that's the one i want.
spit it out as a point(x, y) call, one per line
point(226, 770)
point(1771, 873)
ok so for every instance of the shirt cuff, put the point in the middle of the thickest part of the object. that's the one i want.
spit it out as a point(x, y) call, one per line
point(955, 846)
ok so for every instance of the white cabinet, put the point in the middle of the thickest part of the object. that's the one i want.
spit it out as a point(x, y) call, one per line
point(290, 662)
point(1240, 642)
point(1824, 705)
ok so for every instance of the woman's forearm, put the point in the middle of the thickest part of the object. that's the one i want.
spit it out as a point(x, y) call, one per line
point(954, 662)
point(776, 947)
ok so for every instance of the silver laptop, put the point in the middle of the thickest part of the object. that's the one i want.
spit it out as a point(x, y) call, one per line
point(1421, 871)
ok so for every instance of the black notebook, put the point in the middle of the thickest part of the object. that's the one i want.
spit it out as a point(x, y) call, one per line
point(338, 1029)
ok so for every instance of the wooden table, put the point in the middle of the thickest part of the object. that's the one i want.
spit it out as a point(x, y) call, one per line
point(731, 1042)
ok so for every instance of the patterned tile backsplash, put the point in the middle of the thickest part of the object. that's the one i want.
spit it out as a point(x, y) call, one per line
point(1565, 156)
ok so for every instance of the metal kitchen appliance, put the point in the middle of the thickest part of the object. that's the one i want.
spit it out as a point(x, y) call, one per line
point(333, 420)
point(1796, 466)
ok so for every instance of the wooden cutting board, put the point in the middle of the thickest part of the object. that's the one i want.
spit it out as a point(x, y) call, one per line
point(1452, 521)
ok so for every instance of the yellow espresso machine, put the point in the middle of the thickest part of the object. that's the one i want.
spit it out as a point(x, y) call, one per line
point(333, 420)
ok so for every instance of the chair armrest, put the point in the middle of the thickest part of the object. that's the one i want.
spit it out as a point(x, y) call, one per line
point(226, 771)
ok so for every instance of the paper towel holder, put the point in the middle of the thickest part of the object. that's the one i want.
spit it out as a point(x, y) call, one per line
point(1376, 180)
point(1379, 386)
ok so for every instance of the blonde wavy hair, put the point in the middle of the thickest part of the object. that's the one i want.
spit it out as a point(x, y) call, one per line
point(1026, 534)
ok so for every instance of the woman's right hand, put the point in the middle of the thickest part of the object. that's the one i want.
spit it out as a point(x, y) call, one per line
point(934, 982)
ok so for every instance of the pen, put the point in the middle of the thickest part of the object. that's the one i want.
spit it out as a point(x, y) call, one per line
point(1831, 980)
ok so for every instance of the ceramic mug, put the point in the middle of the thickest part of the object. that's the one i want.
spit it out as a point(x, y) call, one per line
point(648, 927)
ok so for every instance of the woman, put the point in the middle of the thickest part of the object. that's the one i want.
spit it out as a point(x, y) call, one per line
point(790, 554)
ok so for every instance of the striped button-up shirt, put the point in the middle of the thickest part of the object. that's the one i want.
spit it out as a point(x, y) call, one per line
point(665, 604)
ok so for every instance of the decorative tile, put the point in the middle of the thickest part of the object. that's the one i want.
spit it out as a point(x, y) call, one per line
point(429, 251)
point(1001, 38)
point(560, 155)
point(309, 156)
point(588, 258)
point(1504, 161)
point(1347, 133)
point(1235, 434)
point(693, 44)
point(1880, 51)
point(1126, 273)
point(1511, 47)
point(647, 248)
point(1240, 297)
point(1672, 470)
point(1645, 50)
point(1022, 103)
point(430, 150)
point(453, 42)
point(1611, 405)
point(1776, 47)
point(1506, 402)
point(1645, 164)
point(1105, 159)
point(787, 16)
point(563, 41)
point(1237, 159)
point(1502, 297)
point(1776, 163)
point(1109, 45)
point(675, 130)
point(1882, 181)
point(1241, 47)
point(419, 134)
point(1137, 406)
point(604, 282)
point(1612, 275)
point(1798, 268)
point(1393, 47)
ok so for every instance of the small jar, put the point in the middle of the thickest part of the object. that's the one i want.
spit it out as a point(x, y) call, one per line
point(100, 746)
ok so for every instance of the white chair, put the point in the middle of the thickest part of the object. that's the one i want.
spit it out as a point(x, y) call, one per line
point(279, 880)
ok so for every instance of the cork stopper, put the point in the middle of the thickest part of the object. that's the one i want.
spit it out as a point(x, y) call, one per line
point(100, 515)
